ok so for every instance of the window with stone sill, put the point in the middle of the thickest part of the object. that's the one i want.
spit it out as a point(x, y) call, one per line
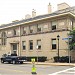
point(54, 24)
point(31, 44)
point(31, 29)
point(24, 45)
point(14, 32)
point(38, 29)
point(39, 44)
point(24, 30)
point(54, 27)
point(53, 44)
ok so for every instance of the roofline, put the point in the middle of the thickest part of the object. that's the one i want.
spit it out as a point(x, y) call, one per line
point(63, 3)
point(40, 19)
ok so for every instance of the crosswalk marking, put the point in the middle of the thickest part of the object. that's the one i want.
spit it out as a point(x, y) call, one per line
point(71, 72)
point(63, 71)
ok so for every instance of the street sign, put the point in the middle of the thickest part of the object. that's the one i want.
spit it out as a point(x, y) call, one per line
point(65, 38)
point(69, 37)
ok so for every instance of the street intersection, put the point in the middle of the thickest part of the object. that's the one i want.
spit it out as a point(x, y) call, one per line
point(25, 69)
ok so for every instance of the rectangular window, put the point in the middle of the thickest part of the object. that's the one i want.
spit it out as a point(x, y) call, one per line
point(54, 27)
point(31, 29)
point(54, 24)
point(5, 41)
point(39, 28)
point(24, 45)
point(24, 30)
point(39, 44)
point(2, 41)
point(53, 43)
point(14, 32)
point(31, 44)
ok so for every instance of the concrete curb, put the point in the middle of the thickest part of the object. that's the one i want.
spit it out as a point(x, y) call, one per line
point(52, 64)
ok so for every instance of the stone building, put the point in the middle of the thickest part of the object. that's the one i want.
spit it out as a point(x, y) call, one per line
point(37, 35)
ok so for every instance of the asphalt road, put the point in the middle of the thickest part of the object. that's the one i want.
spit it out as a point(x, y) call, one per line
point(25, 69)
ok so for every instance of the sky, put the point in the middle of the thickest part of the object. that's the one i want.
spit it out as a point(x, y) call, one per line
point(11, 10)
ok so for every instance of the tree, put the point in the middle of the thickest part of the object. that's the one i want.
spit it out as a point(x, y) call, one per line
point(72, 40)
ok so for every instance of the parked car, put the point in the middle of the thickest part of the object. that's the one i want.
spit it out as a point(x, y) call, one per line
point(13, 58)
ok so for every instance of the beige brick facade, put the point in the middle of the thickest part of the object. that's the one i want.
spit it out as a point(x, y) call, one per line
point(26, 31)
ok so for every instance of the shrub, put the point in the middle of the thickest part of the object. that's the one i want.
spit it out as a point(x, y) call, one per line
point(62, 59)
point(40, 59)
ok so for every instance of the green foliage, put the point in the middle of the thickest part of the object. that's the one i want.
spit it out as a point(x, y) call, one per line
point(72, 40)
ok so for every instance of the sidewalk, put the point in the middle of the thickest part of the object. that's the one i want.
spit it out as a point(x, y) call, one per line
point(52, 64)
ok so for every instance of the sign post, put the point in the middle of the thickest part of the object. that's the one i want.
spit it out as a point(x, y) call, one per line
point(69, 37)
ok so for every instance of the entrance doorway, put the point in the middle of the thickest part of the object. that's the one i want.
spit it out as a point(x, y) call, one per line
point(14, 48)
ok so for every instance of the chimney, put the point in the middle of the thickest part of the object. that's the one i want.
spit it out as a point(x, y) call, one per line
point(62, 6)
point(49, 8)
point(33, 13)
point(27, 16)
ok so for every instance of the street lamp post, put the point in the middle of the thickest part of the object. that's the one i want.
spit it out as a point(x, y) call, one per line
point(58, 46)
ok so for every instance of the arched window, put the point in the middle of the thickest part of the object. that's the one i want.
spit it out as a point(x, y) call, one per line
point(3, 38)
